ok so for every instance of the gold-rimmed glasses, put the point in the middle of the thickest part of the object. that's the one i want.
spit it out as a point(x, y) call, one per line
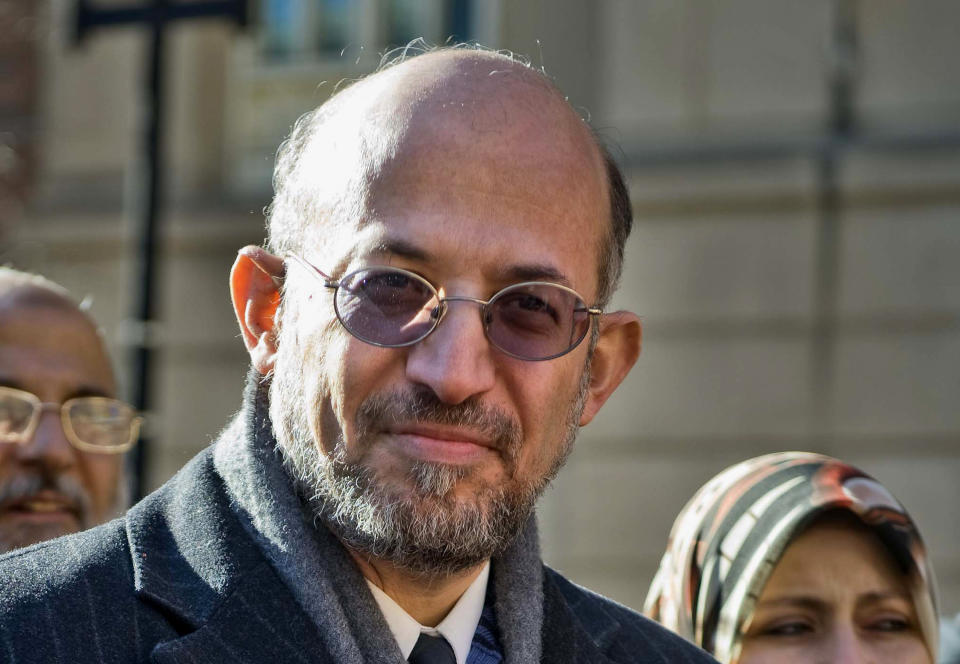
point(92, 424)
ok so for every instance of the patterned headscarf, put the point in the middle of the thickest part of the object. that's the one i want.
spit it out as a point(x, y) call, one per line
point(729, 537)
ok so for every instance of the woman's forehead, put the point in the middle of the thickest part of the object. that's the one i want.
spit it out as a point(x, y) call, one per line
point(838, 556)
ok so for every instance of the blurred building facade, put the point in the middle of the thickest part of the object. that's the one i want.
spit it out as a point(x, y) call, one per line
point(799, 277)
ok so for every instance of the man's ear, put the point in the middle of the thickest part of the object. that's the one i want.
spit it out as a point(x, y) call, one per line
point(255, 281)
point(616, 352)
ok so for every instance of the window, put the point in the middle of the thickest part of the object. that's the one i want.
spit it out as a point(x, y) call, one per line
point(306, 29)
point(300, 51)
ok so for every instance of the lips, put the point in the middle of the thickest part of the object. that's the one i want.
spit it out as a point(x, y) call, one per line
point(41, 506)
point(444, 433)
point(442, 444)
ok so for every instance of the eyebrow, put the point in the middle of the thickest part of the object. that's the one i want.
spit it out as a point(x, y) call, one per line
point(536, 272)
point(881, 595)
point(812, 603)
point(514, 273)
point(797, 601)
point(9, 382)
point(402, 248)
point(88, 391)
point(76, 393)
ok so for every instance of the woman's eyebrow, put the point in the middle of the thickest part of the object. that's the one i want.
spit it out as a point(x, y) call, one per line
point(795, 601)
point(882, 595)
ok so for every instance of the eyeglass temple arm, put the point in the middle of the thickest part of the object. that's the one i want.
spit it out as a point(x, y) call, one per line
point(328, 281)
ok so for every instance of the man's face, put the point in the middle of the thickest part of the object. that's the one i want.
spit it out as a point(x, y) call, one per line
point(47, 487)
point(433, 455)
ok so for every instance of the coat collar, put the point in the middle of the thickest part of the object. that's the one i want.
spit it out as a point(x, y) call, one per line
point(171, 568)
point(193, 561)
point(229, 603)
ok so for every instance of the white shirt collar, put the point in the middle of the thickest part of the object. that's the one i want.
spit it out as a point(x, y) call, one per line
point(457, 628)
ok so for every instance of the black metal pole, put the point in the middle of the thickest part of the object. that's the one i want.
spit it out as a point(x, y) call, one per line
point(840, 127)
point(146, 240)
point(156, 14)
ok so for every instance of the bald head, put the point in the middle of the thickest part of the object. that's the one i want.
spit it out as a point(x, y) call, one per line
point(41, 314)
point(477, 108)
point(14, 283)
point(490, 93)
point(24, 291)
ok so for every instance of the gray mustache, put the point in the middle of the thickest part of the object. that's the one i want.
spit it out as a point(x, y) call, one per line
point(420, 405)
point(29, 483)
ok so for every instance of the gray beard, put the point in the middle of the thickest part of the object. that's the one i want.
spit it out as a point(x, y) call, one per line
point(30, 482)
point(423, 529)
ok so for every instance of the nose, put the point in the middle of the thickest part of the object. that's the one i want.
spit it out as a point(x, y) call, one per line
point(846, 647)
point(49, 445)
point(455, 361)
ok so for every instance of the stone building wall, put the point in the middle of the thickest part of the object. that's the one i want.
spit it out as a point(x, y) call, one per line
point(723, 264)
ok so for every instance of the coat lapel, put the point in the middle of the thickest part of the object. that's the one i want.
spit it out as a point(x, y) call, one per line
point(565, 640)
point(194, 562)
point(259, 622)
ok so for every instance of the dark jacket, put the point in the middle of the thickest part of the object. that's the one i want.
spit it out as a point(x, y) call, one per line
point(178, 579)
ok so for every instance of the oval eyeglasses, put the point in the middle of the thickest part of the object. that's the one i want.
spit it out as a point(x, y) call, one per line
point(392, 307)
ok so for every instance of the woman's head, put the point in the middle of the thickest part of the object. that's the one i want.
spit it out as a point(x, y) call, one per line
point(836, 595)
point(797, 557)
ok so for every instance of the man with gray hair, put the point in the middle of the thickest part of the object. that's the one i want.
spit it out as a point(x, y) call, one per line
point(427, 332)
point(61, 430)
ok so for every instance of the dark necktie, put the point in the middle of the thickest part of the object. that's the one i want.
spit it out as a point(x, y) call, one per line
point(432, 650)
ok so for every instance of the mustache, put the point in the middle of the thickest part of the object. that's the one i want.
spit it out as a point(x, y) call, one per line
point(421, 406)
point(31, 482)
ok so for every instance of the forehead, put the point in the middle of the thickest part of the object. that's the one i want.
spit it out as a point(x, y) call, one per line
point(51, 350)
point(499, 171)
point(839, 559)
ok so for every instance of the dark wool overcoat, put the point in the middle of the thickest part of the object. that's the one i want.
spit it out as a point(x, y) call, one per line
point(178, 579)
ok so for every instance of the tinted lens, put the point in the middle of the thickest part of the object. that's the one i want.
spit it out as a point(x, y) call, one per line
point(100, 422)
point(536, 321)
point(16, 413)
point(386, 306)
